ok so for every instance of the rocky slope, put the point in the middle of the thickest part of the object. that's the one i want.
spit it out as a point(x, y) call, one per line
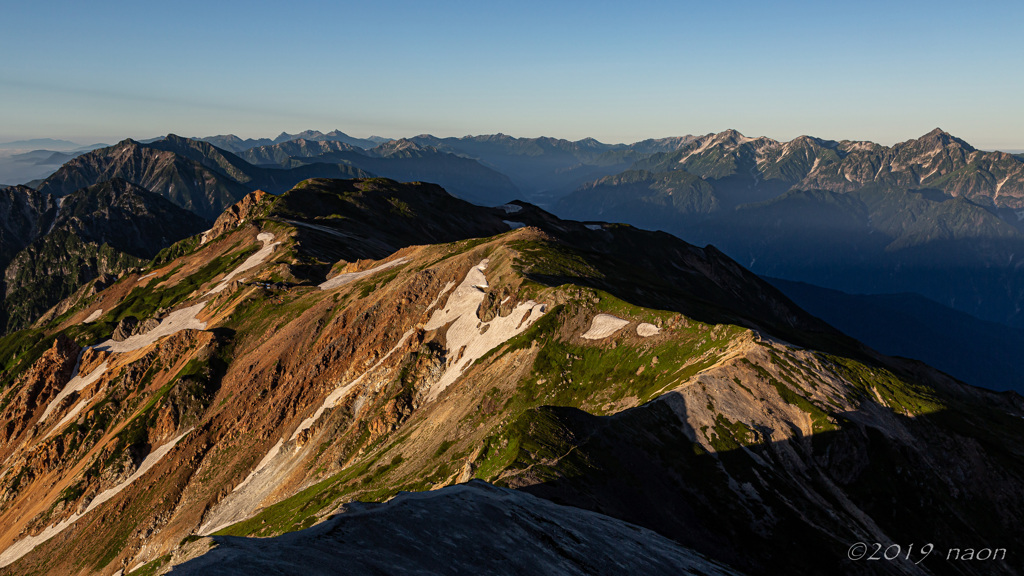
point(537, 537)
point(352, 339)
point(24, 215)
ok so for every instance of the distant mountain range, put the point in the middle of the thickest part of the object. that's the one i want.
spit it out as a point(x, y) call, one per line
point(402, 160)
point(20, 167)
point(547, 168)
point(193, 174)
point(235, 144)
point(932, 215)
point(40, 143)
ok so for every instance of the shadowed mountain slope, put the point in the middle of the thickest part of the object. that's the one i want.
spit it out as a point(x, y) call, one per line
point(95, 232)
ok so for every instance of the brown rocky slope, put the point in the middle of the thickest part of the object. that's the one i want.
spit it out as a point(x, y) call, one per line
point(604, 367)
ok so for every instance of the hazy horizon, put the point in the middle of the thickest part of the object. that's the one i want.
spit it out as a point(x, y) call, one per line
point(112, 141)
point(100, 72)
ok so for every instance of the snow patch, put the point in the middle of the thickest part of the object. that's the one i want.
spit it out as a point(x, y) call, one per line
point(184, 319)
point(514, 225)
point(511, 208)
point(349, 277)
point(60, 205)
point(645, 330)
point(94, 316)
point(594, 227)
point(999, 185)
point(467, 338)
point(603, 326)
point(251, 262)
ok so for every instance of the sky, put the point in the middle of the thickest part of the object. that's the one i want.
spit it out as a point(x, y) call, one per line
point(883, 71)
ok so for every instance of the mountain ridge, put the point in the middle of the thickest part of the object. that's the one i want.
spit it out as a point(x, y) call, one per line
point(338, 344)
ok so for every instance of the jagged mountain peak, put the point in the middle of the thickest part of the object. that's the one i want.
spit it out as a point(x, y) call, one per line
point(939, 138)
point(398, 145)
point(124, 145)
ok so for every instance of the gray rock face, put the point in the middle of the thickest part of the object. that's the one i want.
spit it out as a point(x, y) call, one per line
point(125, 328)
point(473, 528)
point(130, 326)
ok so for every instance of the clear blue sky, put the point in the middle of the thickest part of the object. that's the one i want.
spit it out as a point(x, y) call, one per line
point(882, 71)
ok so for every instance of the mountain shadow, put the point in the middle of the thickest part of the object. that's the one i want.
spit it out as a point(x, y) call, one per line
point(794, 506)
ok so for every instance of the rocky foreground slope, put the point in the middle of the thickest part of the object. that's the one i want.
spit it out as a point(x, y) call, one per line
point(352, 339)
point(440, 532)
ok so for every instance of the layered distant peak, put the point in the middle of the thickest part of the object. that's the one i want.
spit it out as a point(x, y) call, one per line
point(590, 143)
point(194, 175)
point(400, 145)
point(283, 153)
point(337, 134)
point(731, 136)
point(812, 141)
point(938, 138)
point(655, 145)
point(333, 135)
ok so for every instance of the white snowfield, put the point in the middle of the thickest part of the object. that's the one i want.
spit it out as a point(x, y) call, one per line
point(513, 225)
point(251, 262)
point(646, 330)
point(467, 338)
point(94, 316)
point(511, 208)
point(349, 277)
point(25, 545)
point(603, 326)
point(184, 319)
point(246, 498)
